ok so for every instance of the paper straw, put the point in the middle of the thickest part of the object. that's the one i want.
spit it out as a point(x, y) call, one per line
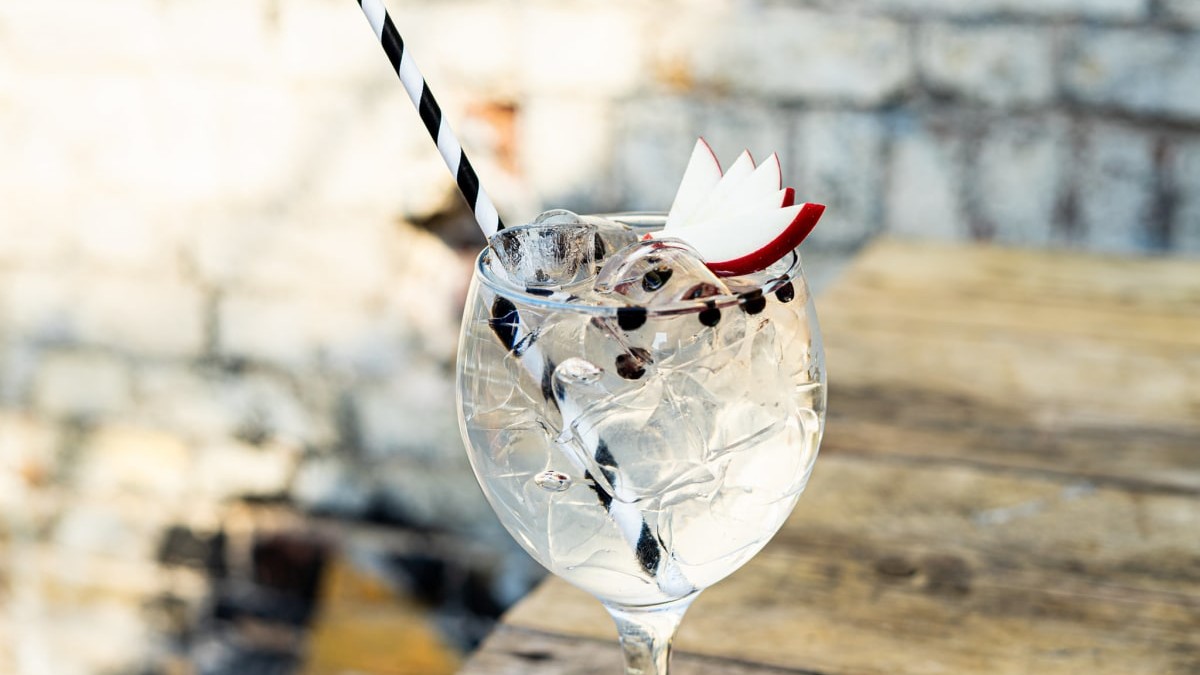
point(431, 114)
point(629, 520)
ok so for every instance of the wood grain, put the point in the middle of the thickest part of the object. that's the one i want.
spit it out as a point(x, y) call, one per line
point(517, 651)
point(1009, 482)
point(934, 568)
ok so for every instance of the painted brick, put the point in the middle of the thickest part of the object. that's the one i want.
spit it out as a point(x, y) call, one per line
point(345, 45)
point(654, 139)
point(467, 46)
point(382, 159)
point(595, 50)
point(332, 485)
point(148, 316)
point(1186, 184)
point(428, 495)
point(1140, 71)
point(1019, 182)
point(1117, 177)
point(233, 469)
point(731, 126)
point(1186, 11)
point(32, 228)
point(19, 363)
point(1098, 10)
point(88, 633)
point(839, 155)
point(28, 459)
point(567, 144)
point(206, 406)
point(122, 459)
point(278, 253)
point(55, 146)
point(75, 34)
point(39, 304)
point(225, 118)
point(786, 53)
point(411, 417)
point(122, 529)
point(82, 384)
point(1002, 65)
point(124, 237)
point(227, 37)
point(924, 194)
point(301, 332)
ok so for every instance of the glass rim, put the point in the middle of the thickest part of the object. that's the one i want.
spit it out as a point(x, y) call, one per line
point(793, 272)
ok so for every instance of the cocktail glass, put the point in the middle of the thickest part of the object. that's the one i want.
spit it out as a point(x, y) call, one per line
point(642, 456)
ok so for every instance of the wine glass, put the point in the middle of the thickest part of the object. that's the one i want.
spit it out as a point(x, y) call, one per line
point(642, 454)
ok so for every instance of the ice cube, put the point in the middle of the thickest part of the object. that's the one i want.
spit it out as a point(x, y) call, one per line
point(557, 217)
point(658, 271)
point(551, 252)
point(654, 436)
point(662, 271)
point(611, 236)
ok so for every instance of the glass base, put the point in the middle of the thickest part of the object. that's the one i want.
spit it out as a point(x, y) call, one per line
point(646, 634)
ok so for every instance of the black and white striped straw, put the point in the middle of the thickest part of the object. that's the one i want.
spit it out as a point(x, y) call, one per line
point(507, 323)
point(431, 114)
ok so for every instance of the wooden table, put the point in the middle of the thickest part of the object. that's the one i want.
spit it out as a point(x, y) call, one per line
point(1009, 483)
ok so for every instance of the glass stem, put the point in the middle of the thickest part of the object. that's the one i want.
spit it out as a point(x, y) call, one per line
point(646, 634)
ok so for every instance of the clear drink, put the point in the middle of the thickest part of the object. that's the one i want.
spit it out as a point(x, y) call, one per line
point(642, 453)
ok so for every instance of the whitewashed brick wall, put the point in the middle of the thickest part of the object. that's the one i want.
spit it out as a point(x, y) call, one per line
point(212, 287)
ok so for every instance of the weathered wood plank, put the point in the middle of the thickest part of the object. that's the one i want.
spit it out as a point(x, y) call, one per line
point(516, 651)
point(1093, 381)
point(910, 423)
point(1010, 480)
point(933, 568)
point(1016, 360)
point(1055, 278)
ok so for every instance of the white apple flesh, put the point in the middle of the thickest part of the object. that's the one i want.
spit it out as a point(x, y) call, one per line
point(752, 242)
point(701, 176)
point(742, 221)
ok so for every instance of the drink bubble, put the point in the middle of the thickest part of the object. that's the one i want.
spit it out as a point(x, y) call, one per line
point(553, 481)
point(578, 371)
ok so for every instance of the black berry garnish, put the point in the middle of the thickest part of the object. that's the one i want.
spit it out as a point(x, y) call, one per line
point(753, 301)
point(786, 292)
point(711, 316)
point(631, 318)
point(656, 278)
point(632, 364)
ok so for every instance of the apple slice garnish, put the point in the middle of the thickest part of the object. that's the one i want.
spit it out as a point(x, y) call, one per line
point(749, 193)
point(752, 242)
point(701, 176)
point(741, 221)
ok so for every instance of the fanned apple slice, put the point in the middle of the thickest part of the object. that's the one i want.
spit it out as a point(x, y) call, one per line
point(702, 174)
point(739, 222)
point(728, 186)
point(750, 194)
point(752, 241)
point(789, 197)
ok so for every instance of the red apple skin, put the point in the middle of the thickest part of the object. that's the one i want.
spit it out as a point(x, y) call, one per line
point(790, 238)
point(789, 198)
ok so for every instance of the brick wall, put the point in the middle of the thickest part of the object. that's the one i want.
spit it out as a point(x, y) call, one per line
point(231, 262)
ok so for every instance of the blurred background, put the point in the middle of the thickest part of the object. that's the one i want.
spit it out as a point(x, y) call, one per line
point(232, 266)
